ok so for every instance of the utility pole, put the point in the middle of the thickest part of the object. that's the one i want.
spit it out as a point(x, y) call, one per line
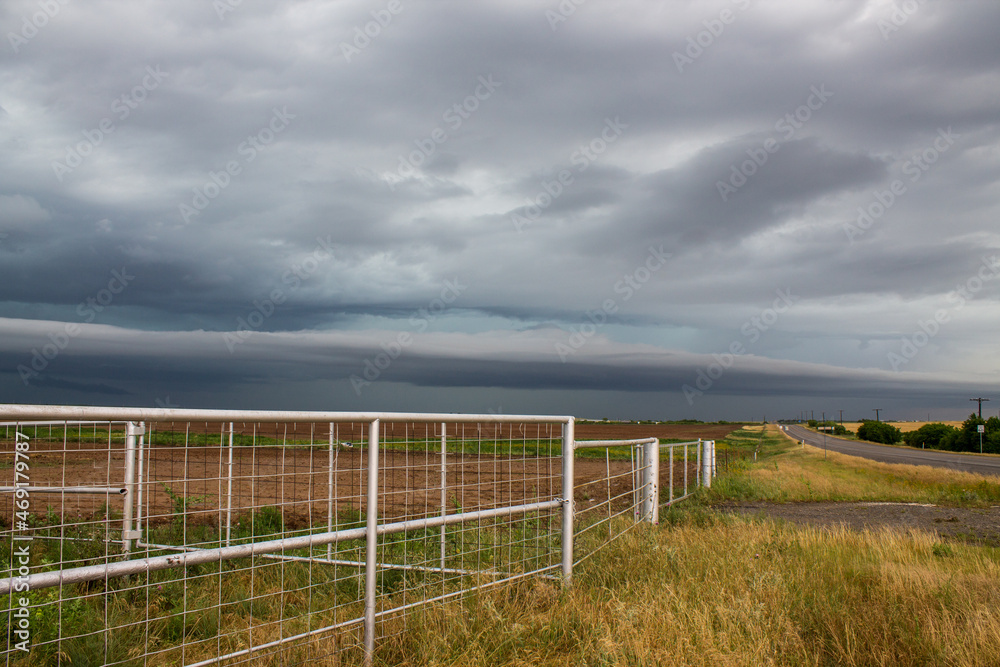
point(824, 435)
point(841, 416)
point(823, 428)
point(980, 401)
point(876, 411)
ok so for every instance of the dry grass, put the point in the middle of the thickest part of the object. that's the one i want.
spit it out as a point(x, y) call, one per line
point(712, 590)
point(793, 473)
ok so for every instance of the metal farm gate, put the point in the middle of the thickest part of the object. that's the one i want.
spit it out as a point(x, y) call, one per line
point(197, 537)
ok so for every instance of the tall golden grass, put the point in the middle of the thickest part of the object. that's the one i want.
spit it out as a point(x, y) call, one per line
point(717, 590)
point(805, 473)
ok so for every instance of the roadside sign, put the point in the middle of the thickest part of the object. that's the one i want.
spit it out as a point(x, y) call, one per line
point(981, 428)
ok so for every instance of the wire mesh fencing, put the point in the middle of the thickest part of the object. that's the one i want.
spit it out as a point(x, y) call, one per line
point(191, 538)
point(641, 477)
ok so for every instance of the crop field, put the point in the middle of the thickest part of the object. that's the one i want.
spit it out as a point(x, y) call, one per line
point(675, 432)
point(284, 467)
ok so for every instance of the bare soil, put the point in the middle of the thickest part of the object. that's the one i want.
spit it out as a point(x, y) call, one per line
point(673, 431)
point(195, 479)
point(973, 525)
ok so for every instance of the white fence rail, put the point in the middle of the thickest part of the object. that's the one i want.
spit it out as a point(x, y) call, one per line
point(196, 537)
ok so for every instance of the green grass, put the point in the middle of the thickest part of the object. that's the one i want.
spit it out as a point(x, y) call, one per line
point(787, 472)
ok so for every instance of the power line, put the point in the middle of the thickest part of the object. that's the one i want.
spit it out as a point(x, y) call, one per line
point(980, 401)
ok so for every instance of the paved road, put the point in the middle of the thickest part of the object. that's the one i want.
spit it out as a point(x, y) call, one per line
point(984, 465)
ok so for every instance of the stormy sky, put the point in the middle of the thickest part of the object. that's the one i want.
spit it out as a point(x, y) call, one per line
point(720, 209)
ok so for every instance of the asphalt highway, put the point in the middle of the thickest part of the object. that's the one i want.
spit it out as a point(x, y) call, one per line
point(984, 465)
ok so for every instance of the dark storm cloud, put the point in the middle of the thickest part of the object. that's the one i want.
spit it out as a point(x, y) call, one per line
point(193, 360)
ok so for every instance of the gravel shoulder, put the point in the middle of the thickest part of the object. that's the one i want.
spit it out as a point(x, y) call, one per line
point(972, 525)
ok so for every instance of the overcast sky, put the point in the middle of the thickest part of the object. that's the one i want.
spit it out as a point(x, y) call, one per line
point(711, 209)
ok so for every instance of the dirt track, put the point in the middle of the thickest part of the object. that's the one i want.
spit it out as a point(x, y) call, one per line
point(979, 526)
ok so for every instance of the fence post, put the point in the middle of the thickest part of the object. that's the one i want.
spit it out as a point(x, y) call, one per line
point(132, 430)
point(229, 489)
point(444, 492)
point(371, 541)
point(706, 463)
point(685, 470)
point(714, 470)
point(329, 488)
point(568, 506)
point(670, 496)
point(697, 465)
point(651, 481)
point(141, 446)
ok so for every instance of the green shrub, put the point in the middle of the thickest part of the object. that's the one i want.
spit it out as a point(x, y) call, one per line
point(929, 435)
point(879, 432)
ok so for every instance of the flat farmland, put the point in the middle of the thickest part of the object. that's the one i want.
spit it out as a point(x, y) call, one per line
point(492, 470)
point(357, 431)
point(615, 431)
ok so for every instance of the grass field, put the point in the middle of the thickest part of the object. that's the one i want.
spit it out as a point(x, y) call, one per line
point(713, 590)
point(788, 472)
point(706, 588)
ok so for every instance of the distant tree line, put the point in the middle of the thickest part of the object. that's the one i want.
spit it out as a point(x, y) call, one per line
point(963, 439)
point(875, 431)
point(937, 435)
